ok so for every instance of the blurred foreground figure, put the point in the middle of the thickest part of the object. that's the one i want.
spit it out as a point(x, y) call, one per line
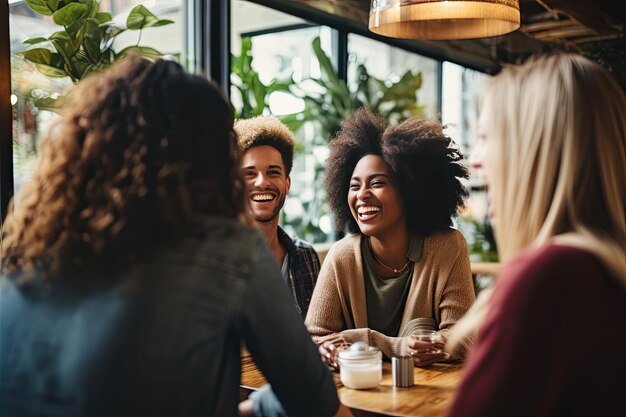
point(128, 280)
point(552, 337)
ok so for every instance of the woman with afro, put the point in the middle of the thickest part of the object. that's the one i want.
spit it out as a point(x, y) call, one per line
point(403, 269)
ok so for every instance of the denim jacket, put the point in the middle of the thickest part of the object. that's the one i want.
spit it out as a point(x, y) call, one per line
point(164, 340)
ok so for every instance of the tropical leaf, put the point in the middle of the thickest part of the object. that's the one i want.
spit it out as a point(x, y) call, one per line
point(103, 17)
point(80, 64)
point(253, 92)
point(47, 62)
point(92, 40)
point(145, 51)
point(140, 17)
point(64, 44)
point(40, 6)
point(51, 72)
point(294, 121)
point(259, 93)
point(326, 67)
point(55, 5)
point(91, 7)
point(338, 87)
point(38, 55)
point(69, 14)
point(33, 41)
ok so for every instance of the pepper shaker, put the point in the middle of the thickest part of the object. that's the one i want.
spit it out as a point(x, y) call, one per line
point(402, 371)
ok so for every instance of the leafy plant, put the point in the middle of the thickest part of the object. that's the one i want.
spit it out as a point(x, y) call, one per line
point(394, 101)
point(254, 94)
point(85, 45)
point(481, 241)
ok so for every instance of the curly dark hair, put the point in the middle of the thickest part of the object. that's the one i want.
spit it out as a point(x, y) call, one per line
point(142, 153)
point(270, 131)
point(427, 164)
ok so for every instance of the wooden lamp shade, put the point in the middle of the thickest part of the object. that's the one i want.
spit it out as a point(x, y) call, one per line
point(443, 19)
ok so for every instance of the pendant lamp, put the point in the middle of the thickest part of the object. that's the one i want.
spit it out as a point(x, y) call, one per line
point(443, 19)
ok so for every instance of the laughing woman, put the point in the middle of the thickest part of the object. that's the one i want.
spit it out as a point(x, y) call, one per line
point(403, 269)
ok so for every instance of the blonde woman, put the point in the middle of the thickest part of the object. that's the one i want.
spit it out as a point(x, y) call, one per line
point(553, 332)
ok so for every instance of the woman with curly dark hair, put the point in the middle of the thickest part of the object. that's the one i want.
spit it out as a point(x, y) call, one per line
point(403, 269)
point(128, 280)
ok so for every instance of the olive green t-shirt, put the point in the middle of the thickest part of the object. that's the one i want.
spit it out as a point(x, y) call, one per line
point(386, 298)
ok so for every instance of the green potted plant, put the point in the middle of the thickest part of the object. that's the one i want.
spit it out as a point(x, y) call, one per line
point(253, 93)
point(396, 102)
point(85, 43)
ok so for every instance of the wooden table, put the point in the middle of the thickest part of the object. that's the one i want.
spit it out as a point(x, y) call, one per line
point(429, 397)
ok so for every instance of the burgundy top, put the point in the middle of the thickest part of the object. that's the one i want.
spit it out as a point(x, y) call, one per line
point(553, 343)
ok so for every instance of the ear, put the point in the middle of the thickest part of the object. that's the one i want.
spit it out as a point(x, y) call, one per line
point(288, 185)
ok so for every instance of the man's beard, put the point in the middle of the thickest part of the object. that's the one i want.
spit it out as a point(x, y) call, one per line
point(274, 214)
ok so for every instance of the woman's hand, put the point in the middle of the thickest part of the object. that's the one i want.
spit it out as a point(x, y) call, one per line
point(328, 351)
point(424, 352)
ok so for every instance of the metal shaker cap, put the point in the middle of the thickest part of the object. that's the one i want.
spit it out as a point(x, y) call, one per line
point(402, 371)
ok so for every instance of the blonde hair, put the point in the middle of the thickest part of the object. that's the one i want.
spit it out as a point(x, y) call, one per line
point(561, 136)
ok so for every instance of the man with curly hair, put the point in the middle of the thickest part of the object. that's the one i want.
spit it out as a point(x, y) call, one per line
point(267, 147)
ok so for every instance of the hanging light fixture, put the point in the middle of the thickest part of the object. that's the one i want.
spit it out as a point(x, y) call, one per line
point(444, 19)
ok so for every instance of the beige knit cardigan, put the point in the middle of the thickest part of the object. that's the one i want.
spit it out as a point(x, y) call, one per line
point(441, 290)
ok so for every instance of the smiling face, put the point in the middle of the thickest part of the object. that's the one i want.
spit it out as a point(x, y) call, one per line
point(374, 198)
point(267, 184)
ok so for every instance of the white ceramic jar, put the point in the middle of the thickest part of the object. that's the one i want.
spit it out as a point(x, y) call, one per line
point(360, 366)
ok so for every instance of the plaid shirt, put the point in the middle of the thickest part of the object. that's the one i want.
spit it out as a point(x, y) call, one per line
point(304, 266)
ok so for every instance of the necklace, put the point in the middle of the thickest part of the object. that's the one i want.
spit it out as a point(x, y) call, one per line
point(395, 271)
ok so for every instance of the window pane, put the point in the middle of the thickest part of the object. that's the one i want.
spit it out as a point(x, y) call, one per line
point(461, 89)
point(389, 64)
point(29, 86)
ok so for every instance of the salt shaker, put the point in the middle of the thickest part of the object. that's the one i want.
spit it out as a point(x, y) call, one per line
point(402, 371)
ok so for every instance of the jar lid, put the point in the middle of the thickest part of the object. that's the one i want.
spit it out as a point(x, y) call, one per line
point(359, 350)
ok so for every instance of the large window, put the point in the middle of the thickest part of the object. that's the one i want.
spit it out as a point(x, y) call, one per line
point(30, 113)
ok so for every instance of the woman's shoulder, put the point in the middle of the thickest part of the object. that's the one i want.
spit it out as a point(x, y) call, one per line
point(551, 269)
point(217, 241)
point(225, 234)
point(227, 227)
point(553, 260)
point(448, 243)
point(345, 248)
